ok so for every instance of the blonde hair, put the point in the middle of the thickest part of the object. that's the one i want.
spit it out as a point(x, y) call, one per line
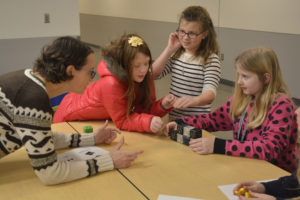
point(260, 60)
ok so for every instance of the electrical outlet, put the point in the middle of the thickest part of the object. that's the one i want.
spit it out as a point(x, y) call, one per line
point(46, 18)
point(222, 56)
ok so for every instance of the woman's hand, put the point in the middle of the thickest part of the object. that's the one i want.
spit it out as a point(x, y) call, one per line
point(105, 135)
point(123, 159)
point(251, 186)
point(257, 196)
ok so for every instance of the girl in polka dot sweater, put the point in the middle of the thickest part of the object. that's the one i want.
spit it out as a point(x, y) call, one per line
point(260, 113)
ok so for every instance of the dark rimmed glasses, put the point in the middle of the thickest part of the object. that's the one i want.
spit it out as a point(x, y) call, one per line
point(191, 35)
point(92, 72)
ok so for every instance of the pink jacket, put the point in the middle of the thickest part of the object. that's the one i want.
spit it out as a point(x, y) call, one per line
point(104, 99)
point(275, 140)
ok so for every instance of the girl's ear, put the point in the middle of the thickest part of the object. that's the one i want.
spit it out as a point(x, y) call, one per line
point(69, 70)
point(267, 77)
point(205, 34)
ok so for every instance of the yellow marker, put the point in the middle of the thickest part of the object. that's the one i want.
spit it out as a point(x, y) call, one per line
point(242, 191)
point(247, 195)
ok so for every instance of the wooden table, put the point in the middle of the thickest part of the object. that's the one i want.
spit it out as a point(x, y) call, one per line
point(18, 181)
point(167, 167)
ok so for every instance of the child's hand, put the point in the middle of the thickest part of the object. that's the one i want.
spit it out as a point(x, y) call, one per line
point(105, 135)
point(156, 124)
point(168, 101)
point(170, 126)
point(173, 43)
point(202, 145)
point(183, 102)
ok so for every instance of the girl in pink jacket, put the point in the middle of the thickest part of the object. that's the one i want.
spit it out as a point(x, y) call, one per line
point(124, 93)
point(260, 113)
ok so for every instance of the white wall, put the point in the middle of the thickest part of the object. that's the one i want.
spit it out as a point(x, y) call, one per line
point(25, 18)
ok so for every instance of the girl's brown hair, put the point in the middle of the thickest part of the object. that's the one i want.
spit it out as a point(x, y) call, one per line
point(122, 53)
point(208, 45)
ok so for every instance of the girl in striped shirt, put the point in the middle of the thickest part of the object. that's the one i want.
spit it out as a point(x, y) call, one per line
point(192, 57)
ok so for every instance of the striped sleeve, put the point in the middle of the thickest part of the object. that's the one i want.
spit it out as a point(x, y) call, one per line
point(63, 140)
point(212, 74)
point(167, 70)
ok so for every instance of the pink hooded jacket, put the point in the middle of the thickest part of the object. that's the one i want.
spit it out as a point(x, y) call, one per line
point(104, 99)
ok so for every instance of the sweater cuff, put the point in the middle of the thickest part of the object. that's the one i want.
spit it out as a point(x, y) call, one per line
point(179, 121)
point(219, 146)
point(266, 184)
point(164, 109)
point(105, 163)
point(87, 139)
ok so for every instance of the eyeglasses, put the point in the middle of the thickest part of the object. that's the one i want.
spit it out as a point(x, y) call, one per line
point(92, 72)
point(191, 35)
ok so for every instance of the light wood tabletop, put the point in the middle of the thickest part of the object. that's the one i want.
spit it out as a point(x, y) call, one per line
point(171, 168)
point(18, 181)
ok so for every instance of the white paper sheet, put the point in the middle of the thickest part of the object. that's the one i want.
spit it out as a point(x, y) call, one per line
point(82, 153)
point(168, 197)
point(227, 190)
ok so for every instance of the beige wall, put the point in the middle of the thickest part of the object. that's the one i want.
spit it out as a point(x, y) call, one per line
point(23, 31)
point(25, 19)
point(154, 10)
point(279, 16)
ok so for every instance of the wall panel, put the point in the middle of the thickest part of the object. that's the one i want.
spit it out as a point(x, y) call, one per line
point(278, 16)
point(25, 19)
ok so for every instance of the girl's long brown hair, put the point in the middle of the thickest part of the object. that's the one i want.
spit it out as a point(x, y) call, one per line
point(208, 45)
point(122, 54)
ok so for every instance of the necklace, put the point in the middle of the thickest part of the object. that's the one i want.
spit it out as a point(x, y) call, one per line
point(242, 135)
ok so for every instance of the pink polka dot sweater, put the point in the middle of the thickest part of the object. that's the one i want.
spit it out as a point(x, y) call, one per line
point(275, 140)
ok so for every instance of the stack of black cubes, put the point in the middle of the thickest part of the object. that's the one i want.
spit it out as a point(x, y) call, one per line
point(185, 133)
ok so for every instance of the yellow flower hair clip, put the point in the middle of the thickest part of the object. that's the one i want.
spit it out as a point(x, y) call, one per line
point(135, 41)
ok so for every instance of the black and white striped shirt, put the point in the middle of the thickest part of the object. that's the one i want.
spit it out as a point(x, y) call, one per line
point(190, 77)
